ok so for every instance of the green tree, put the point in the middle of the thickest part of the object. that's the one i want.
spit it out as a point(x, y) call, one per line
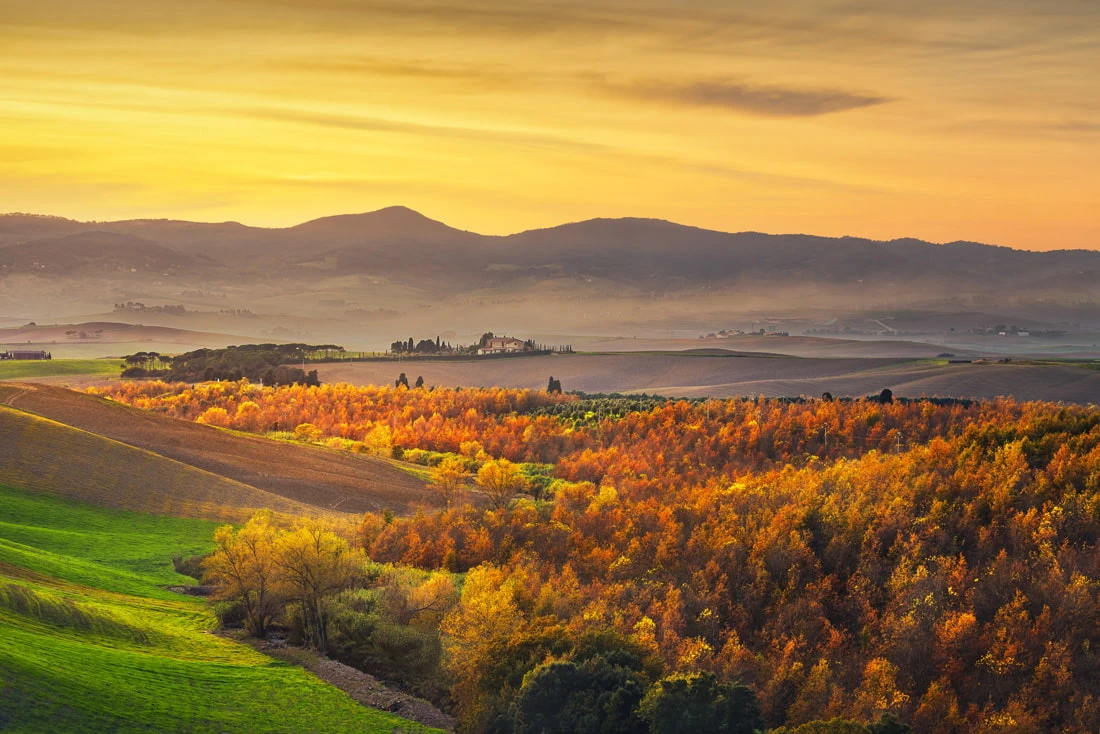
point(690, 704)
point(566, 697)
point(888, 724)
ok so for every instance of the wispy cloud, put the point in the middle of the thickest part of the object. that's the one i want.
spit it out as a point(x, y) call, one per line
point(751, 99)
point(488, 76)
point(388, 125)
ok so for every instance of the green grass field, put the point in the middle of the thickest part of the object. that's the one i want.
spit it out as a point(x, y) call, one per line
point(91, 642)
point(32, 368)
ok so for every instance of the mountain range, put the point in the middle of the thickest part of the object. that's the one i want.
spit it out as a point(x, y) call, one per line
point(364, 278)
point(406, 246)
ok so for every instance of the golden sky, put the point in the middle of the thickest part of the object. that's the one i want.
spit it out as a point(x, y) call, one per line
point(939, 119)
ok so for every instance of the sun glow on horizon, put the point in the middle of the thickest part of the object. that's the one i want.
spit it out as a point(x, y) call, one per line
point(942, 122)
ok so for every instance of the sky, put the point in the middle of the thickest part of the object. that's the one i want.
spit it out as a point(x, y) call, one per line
point(944, 119)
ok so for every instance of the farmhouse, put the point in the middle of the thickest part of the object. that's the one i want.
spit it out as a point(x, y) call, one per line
point(501, 345)
point(25, 355)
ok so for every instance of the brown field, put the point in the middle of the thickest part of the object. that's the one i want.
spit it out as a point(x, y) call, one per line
point(303, 478)
point(686, 375)
point(794, 346)
point(46, 456)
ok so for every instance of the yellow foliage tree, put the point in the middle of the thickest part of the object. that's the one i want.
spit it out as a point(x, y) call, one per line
point(243, 569)
point(314, 563)
point(500, 479)
point(449, 479)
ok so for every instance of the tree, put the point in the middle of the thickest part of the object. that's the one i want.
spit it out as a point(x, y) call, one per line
point(889, 724)
point(554, 385)
point(886, 396)
point(243, 568)
point(449, 478)
point(419, 381)
point(401, 380)
point(474, 631)
point(314, 563)
point(500, 479)
point(689, 704)
point(566, 697)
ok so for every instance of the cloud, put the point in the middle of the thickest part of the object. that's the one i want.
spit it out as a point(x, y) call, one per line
point(486, 76)
point(751, 99)
point(387, 125)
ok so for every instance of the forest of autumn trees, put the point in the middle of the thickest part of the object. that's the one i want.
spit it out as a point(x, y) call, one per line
point(840, 560)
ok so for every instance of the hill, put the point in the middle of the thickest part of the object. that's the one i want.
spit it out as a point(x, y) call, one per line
point(251, 472)
point(96, 252)
point(93, 642)
point(46, 456)
point(401, 244)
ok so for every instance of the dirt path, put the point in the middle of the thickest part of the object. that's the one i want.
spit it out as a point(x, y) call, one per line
point(362, 687)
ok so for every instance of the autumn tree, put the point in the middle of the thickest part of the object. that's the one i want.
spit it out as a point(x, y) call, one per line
point(314, 563)
point(501, 480)
point(449, 479)
point(486, 617)
point(243, 569)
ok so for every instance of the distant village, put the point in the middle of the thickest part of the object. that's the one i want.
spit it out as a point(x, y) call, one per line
point(489, 344)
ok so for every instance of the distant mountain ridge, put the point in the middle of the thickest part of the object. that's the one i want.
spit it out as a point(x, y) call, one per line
point(404, 246)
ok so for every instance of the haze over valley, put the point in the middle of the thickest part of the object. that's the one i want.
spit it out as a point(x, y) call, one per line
point(364, 280)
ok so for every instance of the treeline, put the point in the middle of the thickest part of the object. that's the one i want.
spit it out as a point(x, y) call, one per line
point(821, 560)
point(267, 363)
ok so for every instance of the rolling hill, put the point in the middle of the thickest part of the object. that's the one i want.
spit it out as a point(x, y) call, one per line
point(46, 456)
point(93, 642)
point(73, 444)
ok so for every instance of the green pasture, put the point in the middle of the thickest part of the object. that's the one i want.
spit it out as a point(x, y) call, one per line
point(18, 369)
point(90, 640)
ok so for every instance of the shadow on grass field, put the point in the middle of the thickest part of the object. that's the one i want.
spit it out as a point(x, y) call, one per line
point(91, 641)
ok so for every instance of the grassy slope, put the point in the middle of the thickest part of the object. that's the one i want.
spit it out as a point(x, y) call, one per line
point(304, 475)
point(90, 642)
point(47, 456)
point(29, 369)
